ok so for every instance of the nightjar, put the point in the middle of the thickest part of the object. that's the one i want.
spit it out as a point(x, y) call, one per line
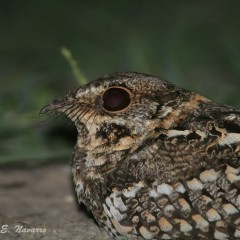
point(155, 161)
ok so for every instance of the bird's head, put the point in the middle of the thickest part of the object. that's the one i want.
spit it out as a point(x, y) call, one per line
point(120, 111)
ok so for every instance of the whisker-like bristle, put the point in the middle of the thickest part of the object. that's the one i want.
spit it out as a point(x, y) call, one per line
point(69, 114)
point(89, 117)
point(83, 114)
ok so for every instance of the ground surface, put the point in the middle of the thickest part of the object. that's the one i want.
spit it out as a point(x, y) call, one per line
point(43, 198)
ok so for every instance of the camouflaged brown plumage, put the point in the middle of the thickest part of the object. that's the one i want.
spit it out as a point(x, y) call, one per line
point(154, 161)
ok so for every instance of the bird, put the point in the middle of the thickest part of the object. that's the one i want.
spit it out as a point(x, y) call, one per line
point(154, 160)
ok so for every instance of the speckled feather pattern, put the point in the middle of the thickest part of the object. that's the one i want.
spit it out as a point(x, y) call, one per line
point(167, 166)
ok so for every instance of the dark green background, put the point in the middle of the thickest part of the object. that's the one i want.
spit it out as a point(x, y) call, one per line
point(194, 44)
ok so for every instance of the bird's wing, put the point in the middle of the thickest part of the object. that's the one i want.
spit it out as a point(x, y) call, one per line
point(184, 183)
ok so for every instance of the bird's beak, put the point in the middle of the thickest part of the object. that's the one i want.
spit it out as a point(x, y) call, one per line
point(56, 105)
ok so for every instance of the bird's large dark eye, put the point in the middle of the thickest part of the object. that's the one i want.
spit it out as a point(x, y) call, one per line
point(116, 99)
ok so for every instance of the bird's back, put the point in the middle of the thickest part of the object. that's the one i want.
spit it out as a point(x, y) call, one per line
point(182, 183)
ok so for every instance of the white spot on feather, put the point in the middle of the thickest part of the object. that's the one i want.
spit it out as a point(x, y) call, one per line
point(166, 236)
point(233, 178)
point(220, 235)
point(116, 214)
point(165, 225)
point(149, 217)
point(205, 199)
point(145, 233)
point(195, 184)
point(112, 211)
point(231, 117)
point(165, 189)
point(179, 188)
point(232, 170)
point(79, 185)
point(213, 215)
point(201, 134)
point(220, 224)
point(184, 225)
point(229, 139)
point(118, 203)
point(131, 191)
point(165, 111)
point(185, 206)
point(201, 223)
point(108, 202)
point(208, 176)
point(237, 233)
point(168, 210)
point(153, 193)
point(175, 133)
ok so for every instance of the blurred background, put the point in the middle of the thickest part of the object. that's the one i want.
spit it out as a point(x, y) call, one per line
point(194, 44)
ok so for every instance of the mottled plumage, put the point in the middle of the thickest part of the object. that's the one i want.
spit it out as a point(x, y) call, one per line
point(154, 161)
